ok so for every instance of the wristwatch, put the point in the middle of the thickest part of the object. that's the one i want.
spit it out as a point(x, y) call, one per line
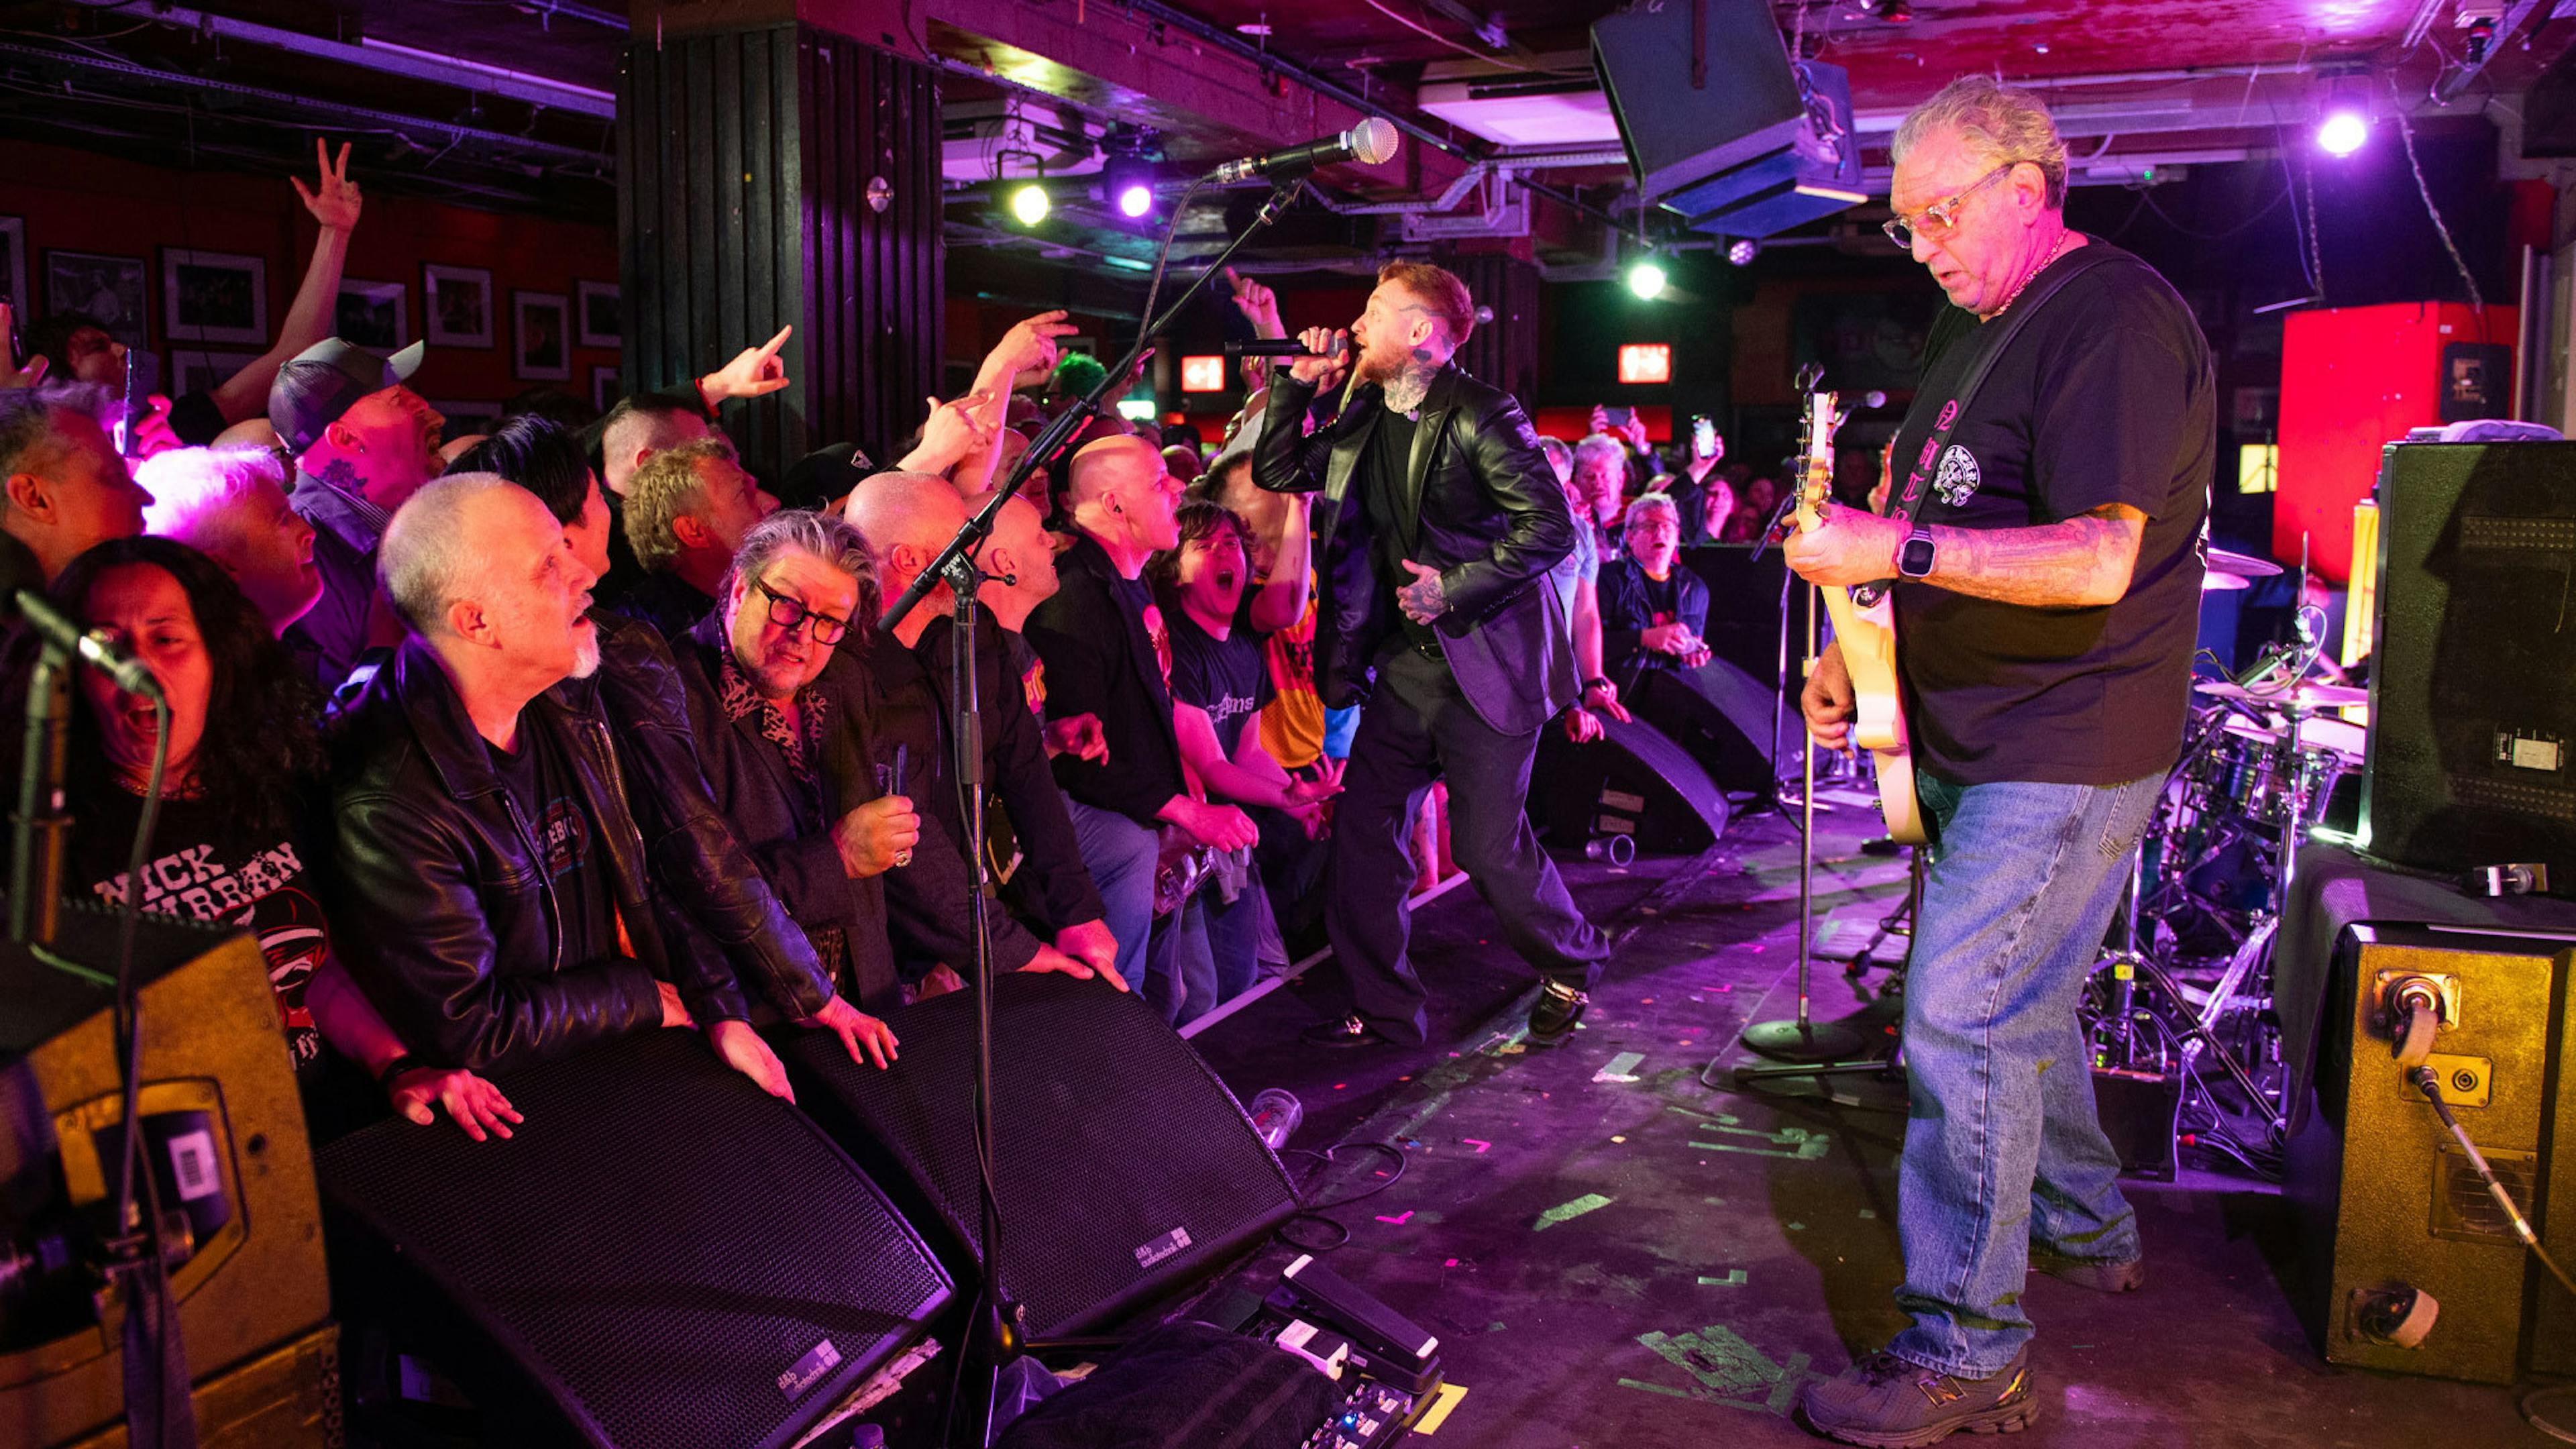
point(1596, 682)
point(1914, 556)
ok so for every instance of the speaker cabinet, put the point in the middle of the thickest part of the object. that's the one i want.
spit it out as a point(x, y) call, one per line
point(2472, 752)
point(2386, 1199)
point(1125, 1168)
point(224, 1134)
point(663, 1256)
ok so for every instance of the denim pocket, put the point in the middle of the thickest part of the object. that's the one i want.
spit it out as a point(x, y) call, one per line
point(2126, 818)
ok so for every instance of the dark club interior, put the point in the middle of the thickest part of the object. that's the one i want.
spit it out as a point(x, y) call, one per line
point(1162, 724)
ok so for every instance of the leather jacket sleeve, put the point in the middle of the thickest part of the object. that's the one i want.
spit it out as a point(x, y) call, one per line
point(1052, 878)
point(1281, 461)
point(1502, 450)
point(433, 974)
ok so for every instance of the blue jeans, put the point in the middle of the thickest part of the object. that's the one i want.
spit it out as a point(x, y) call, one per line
point(1205, 954)
point(2002, 1146)
point(1120, 855)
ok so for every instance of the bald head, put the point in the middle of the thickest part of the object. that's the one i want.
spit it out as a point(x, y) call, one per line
point(918, 509)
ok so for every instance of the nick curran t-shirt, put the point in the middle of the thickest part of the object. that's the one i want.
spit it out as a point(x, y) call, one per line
point(1226, 677)
point(207, 867)
point(2106, 396)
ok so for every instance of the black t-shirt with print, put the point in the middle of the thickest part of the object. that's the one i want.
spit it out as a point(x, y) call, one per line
point(2105, 396)
point(1227, 677)
point(541, 783)
point(206, 867)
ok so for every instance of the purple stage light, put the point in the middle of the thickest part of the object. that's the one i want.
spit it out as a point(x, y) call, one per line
point(2343, 133)
point(1135, 199)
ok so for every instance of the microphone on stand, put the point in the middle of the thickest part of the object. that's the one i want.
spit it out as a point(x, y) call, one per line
point(1370, 142)
point(93, 649)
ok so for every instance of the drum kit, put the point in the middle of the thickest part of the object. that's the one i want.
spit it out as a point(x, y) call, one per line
point(2186, 990)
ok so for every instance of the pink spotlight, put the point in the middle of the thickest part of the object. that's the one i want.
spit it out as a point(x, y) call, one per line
point(1135, 199)
point(2343, 133)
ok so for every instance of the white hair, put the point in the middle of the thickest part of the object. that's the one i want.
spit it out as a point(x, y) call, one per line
point(1600, 445)
point(189, 486)
point(1998, 122)
point(1651, 503)
point(426, 562)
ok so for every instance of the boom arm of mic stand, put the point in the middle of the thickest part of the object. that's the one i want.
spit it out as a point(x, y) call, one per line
point(1050, 442)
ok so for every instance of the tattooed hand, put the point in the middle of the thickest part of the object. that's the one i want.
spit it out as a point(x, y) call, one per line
point(1423, 599)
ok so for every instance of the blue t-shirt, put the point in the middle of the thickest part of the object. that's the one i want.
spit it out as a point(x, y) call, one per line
point(1583, 563)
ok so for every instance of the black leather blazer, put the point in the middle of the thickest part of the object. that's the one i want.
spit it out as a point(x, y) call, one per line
point(1479, 503)
point(454, 928)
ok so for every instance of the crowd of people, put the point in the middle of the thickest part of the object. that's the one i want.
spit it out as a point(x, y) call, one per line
point(506, 744)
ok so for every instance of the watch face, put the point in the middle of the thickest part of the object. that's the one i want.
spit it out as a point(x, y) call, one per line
point(1915, 559)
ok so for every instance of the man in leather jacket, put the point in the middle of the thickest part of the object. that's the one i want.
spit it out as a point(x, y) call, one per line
point(1438, 524)
point(481, 812)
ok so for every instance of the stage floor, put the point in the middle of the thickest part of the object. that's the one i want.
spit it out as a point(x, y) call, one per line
point(1617, 1257)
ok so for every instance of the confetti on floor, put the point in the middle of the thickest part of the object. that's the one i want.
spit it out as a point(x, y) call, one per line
point(1567, 1212)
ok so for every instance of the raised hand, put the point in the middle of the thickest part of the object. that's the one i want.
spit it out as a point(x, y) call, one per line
point(335, 201)
point(11, 374)
point(1258, 304)
point(754, 372)
point(1324, 365)
point(1025, 356)
point(152, 431)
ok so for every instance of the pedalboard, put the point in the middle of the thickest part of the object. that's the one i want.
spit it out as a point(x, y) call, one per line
point(1372, 1416)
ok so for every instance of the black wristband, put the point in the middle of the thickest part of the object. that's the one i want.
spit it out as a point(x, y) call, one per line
point(395, 1068)
point(1597, 682)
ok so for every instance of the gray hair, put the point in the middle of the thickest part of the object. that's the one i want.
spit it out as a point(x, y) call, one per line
point(829, 540)
point(1998, 122)
point(426, 561)
point(1651, 503)
point(27, 426)
point(1597, 446)
point(1558, 454)
point(189, 486)
point(666, 488)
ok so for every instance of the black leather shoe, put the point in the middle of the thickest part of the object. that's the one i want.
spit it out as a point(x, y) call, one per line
point(1349, 1031)
point(1553, 1018)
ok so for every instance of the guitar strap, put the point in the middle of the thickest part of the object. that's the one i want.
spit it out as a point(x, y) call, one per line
point(1990, 343)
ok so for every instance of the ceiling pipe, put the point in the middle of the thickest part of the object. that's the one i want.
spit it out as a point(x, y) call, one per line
point(402, 60)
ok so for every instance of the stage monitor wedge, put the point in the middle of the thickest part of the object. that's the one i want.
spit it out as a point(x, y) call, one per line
point(1720, 126)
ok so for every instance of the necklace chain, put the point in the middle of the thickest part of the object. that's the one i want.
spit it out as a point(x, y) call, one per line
point(2065, 243)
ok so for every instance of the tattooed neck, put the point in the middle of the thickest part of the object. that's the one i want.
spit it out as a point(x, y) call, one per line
point(1405, 391)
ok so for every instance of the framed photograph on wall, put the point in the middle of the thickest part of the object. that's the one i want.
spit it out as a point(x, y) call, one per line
point(466, 418)
point(541, 336)
point(370, 314)
point(194, 371)
point(110, 289)
point(602, 318)
point(13, 270)
point(605, 388)
point(214, 297)
point(456, 305)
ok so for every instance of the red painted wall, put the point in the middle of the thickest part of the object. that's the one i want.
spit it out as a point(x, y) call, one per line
point(2354, 379)
point(76, 201)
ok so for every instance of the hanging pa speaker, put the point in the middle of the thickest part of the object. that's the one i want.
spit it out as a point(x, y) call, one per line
point(1124, 1167)
point(662, 1256)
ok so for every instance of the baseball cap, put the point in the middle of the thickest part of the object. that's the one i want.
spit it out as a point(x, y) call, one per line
point(823, 475)
point(324, 380)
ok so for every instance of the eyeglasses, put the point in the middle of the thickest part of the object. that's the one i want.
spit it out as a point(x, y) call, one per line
point(1941, 217)
point(791, 615)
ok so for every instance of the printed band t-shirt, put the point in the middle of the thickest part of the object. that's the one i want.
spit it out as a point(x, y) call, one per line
point(1292, 723)
point(205, 867)
point(1226, 677)
point(542, 784)
point(2106, 396)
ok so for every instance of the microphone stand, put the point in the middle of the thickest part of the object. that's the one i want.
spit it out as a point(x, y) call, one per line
point(996, 1335)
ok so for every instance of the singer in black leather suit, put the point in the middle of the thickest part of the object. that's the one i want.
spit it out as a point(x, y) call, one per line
point(1438, 524)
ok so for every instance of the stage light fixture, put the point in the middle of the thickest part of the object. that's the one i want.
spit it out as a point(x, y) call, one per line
point(2343, 132)
point(1646, 279)
point(1127, 183)
point(1741, 251)
point(1029, 203)
point(1135, 199)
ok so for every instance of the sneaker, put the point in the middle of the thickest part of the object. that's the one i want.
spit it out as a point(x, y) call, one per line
point(1889, 1403)
point(1552, 1018)
point(2102, 1275)
point(1349, 1031)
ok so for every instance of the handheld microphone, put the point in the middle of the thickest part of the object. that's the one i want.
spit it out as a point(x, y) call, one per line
point(100, 653)
point(1370, 142)
point(1280, 347)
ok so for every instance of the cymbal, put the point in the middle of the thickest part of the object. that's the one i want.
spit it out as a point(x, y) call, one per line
point(2309, 695)
point(2242, 565)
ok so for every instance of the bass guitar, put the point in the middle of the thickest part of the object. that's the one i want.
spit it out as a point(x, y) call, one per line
point(1867, 634)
